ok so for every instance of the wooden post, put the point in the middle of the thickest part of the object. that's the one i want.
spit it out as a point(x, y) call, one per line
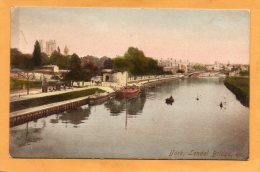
point(28, 83)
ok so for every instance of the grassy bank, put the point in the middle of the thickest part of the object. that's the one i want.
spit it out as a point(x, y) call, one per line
point(240, 87)
point(19, 84)
point(28, 103)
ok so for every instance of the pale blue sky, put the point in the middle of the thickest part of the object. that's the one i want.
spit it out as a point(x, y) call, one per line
point(196, 35)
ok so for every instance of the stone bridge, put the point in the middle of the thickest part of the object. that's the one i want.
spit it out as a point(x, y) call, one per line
point(198, 73)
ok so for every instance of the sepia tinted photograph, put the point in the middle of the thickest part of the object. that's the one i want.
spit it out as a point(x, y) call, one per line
point(129, 83)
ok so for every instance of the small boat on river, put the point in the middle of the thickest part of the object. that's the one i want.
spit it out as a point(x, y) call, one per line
point(221, 105)
point(128, 92)
point(169, 100)
point(100, 98)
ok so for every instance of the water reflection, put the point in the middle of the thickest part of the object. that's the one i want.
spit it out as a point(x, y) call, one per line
point(27, 135)
point(74, 117)
point(134, 106)
point(115, 106)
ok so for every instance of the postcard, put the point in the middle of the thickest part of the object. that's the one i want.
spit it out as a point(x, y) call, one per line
point(129, 83)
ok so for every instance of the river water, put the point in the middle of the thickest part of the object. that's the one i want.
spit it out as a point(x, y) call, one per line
point(144, 127)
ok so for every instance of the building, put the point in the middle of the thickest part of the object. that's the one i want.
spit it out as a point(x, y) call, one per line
point(48, 69)
point(116, 77)
point(217, 66)
point(209, 67)
point(66, 51)
point(50, 47)
point(173, 65)
point(52, 68)
point(41, 45)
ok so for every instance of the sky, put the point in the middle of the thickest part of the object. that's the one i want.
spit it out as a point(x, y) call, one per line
point(203, 36)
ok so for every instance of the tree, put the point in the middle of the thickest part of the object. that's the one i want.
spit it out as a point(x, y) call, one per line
point(37, 54)
point(108, 64)
point(199, 67)
point(152, 66)
point(136, 61)
point(75, 62)
point(120, 63)
point(91, 67)
point(15, 54)
point(45, 59)
point(28, 64)
point(76, 73)
point(20, 60)
point(60, 60)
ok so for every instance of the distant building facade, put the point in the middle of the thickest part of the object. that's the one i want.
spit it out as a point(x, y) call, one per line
point(66, 51)
point(50, 47)
point(173, 65)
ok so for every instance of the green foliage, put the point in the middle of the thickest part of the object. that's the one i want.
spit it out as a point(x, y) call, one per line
point(37, 54)
point(28, 62)
point(135, 62)
point(152, 67)
point(199, 67)
point(20, 60)
point(101, 61)
point(120, 63)
point(108, 64)
point(25, 61)
point(14, 55)
point(18, 84)
point(28, 103)
point(75, 62)
point(76, 73)
point(45, 59)
point(63, 62)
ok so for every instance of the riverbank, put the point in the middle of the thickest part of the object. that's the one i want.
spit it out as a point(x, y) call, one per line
point(30, 107)
point(240, 87)
point(29, 114)
point(146, 82)
point(39, 99)
point(47, 99)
